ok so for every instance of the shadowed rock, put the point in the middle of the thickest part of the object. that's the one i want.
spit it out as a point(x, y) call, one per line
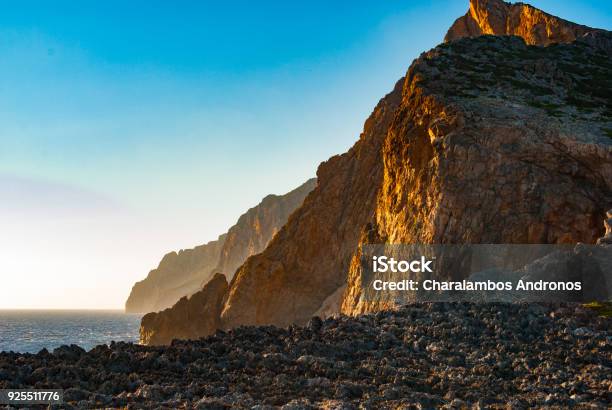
point(184, 273)
point(427, 355)
point(190, 318)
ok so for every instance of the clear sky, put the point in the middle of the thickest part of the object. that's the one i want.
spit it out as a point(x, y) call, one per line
point(130, 129)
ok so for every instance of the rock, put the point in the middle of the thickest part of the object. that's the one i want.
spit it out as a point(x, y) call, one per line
point(191, 318)
point(315, 324)
point(207, 403)
point(186, 272)
point(607, 238)
point(346, 367)
point(76, 394)
point(318, 382)
point(479, 143)
point(298, 405)
point(178, 274)
point(149, 392)
point(500, 18)
point(583, 332)
point(72, 352)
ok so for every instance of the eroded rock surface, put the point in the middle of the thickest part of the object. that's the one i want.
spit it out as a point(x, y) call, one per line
point(489, 147)
point(486, 140)
point(519, 19)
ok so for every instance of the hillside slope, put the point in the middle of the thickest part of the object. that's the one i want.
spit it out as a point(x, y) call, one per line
point(184, 273)
point(178, 274)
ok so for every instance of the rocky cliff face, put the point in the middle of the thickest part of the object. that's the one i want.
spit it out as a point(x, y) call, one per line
point(307, 260)
point(257, 226)
point(184, 273)
point(189, 318)
point(177, 275)
point(500, 18)
point(486, 140)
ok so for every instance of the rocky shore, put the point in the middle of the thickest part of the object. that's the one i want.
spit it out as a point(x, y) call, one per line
point(442, 355)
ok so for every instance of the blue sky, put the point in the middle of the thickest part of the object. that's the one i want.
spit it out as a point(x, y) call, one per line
point(179, 116)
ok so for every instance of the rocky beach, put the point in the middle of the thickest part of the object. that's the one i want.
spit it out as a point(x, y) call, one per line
point(438, 355)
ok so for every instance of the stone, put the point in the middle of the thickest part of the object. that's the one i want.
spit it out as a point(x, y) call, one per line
point(345, 367)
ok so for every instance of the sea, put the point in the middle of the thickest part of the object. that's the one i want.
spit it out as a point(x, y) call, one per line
point(29, 331)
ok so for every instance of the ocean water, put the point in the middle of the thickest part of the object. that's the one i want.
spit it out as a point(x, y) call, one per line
point(31, 330)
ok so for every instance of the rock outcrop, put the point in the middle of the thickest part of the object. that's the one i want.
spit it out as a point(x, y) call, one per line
point(486, 140)
point(189, 318)
point(184, 273)
point(516, 151)
point(500, 18)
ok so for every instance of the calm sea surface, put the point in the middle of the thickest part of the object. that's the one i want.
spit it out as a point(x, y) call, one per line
point(31, 330)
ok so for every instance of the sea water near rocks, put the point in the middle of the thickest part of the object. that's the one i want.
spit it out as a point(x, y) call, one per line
point(29, 331)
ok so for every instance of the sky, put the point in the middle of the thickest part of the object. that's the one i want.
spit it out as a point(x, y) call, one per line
point(131, 129)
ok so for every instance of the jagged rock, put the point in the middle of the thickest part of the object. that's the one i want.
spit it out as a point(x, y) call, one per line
point(500, 18)
point(525, 161)
point(184, 273)
point(190, 318)
point(518, 155)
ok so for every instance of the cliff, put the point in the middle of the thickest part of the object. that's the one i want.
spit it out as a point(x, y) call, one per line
point(485, 140)
point(178, 274)
point(189, 318)
point(184, 273)
point(500, 18)
point(513, 146)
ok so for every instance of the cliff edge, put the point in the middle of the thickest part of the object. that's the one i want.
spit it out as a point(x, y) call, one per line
point(186, 272)
point(519, 19)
